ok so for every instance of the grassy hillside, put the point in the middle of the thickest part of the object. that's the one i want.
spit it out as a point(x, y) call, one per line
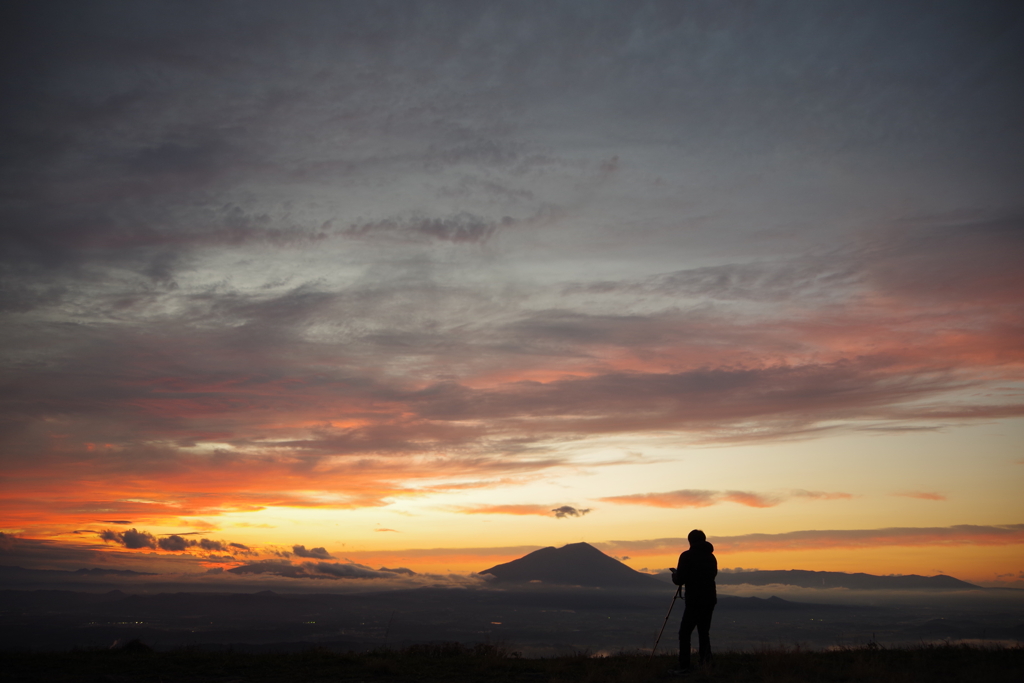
point(495, 664)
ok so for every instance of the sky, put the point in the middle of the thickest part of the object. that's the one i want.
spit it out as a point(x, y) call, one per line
point(318, 289)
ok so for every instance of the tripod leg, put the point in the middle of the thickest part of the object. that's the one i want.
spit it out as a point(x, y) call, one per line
point(667, 615)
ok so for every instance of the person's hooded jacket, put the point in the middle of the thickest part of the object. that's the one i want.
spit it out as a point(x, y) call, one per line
point(696, 571)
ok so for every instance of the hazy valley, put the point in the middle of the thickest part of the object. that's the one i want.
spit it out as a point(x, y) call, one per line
point(526, 604)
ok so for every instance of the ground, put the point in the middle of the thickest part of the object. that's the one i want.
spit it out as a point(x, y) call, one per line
point(452, 662)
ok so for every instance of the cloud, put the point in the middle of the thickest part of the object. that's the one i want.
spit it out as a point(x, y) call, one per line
point(7, 542)
point(131, 539)
point(569, 511)
point(319, 570)
point(398, 570)
point(754, 500)
point(490, 430)
point(316, 553)
point(952, 536)
point(698, 498)
point(820, 495)
point(348, 571)
point(277, 567)
point(174, 543)
point(459, 228)
point(921, 495)
point(560, 512)
point(486, 556)
point(383, 529)
point(213, 546)
point(692, 498)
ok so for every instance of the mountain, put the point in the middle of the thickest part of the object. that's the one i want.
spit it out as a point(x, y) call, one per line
point(11, 570)
point(581, 564)
point(811, 579)
point(99, 571)
point(576, 564)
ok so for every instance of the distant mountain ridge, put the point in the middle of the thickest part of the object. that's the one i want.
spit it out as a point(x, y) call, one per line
point(810, 579)
point(85, 571)
point(575, 564)
point(581, 564)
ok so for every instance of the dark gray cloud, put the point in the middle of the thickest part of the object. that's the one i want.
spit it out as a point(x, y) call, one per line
point(317, 553)
point(131, 539)
point(398, 570)
point(608, 402)
point(961, 257)
point(135, 151)
point(277, 567)
point(96, 559)
point(174, 543)
point(213, 546)
point(569, 511)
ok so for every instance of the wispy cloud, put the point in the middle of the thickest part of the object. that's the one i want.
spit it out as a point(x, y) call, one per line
point(953, 536)
point(560, 512)
point(921, 495)
point(820, 495)
point(697, 498)
point(691, 498)
point(462, 227)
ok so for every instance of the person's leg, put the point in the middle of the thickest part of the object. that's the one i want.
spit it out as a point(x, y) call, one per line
point(685, 631)
point(703, 622)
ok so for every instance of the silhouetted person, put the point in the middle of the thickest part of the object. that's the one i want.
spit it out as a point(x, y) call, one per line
point(696, 571)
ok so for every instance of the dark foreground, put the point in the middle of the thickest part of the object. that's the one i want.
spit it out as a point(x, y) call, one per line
point(458, 663)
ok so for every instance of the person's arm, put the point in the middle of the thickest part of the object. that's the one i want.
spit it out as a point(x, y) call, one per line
point(714, 566)
point(679, 573)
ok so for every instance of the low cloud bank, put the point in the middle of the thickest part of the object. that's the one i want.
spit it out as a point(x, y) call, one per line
point(957, 535)
point(320, 570)
point(313, 553)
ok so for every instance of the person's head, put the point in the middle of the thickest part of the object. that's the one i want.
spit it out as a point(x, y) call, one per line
point(696, 537)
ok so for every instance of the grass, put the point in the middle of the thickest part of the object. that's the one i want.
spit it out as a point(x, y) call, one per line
point(499, 664)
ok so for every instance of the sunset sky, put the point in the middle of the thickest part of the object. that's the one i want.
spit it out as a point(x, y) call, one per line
point(308, 289)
